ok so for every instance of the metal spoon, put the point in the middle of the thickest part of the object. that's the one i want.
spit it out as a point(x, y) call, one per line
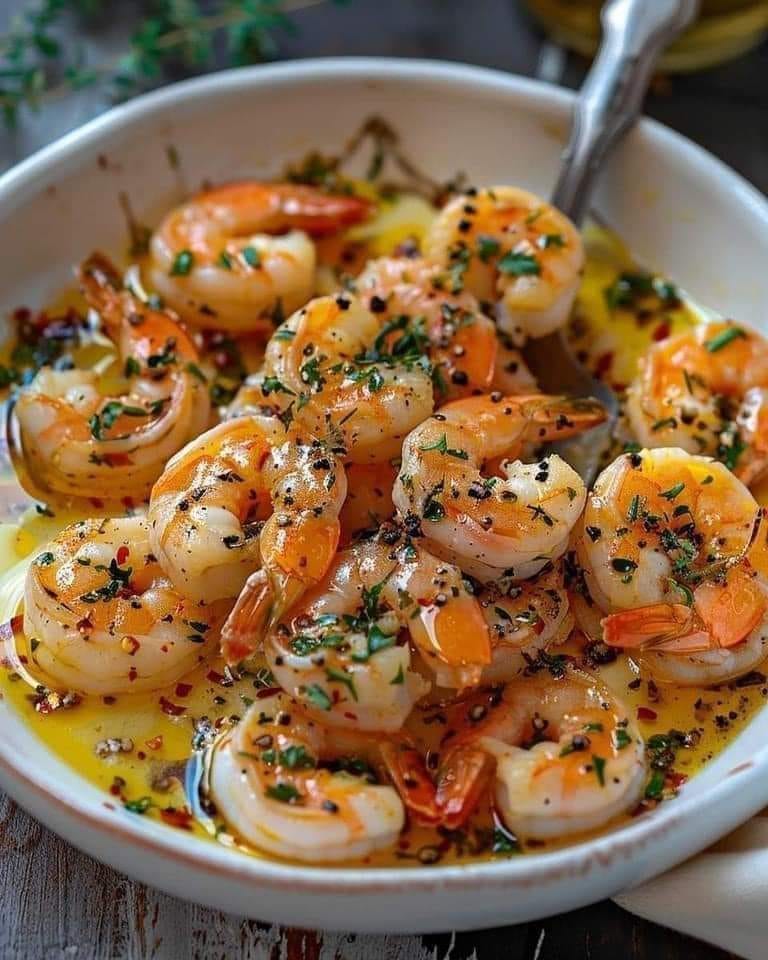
point(635, 32)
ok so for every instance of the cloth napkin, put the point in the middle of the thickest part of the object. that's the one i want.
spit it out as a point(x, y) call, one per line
point(720, 896)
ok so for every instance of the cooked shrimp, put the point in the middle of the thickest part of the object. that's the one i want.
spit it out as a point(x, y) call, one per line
point(674, 549)
point(525, 618)
point(703, 390)
point(560, 755)
point(231, 257)
point(248, 495)
point(508, 246)
point(317, 361)
point(79, 443)
point(419, 317)
point(101, 617)
point(344, 651)
point(514, 523)
point(273, 780)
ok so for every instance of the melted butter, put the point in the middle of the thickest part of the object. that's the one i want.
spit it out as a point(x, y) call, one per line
point(158, 727)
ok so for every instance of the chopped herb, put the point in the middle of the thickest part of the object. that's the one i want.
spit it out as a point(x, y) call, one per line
point(504, 842)
point(673, 491)
point(621, 738)
point(225, 260)
point(273, 385)
point(487, 247)
point(284, 334)
point(99, 422)
point(655, 786)
point(183, 263)
point(398, 678)
point(196, 372)
point(251, 256)
point(550, 240)
point(139, 806)
point(338, 676)
point(45, 559)
point(686, 591)
point(724, 338)
point(441, 446)
point(283, 792)
point(519, 264)
point(599, 765)
point(318, 697)
point(132, 367)
point(296, 757)
point(593, 727)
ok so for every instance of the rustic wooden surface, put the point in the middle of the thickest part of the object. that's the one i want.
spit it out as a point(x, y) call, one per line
point(58, 903)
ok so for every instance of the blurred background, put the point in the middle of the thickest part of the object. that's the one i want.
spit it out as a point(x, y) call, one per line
point(64, 61)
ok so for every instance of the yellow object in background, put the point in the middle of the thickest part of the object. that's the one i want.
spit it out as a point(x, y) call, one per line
point(724, 29)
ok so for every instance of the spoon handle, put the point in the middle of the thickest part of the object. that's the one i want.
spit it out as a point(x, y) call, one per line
point(634, 34)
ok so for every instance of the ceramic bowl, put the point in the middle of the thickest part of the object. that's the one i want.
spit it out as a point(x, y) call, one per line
point(677, 206)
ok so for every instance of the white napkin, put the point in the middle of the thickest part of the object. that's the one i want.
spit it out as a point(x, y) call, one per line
point(720, 896)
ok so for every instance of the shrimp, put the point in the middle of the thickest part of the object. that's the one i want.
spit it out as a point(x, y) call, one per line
point(101, 617)
point(317, 360)
point(511, 248)
point(514, 523)
point(234, 256)
point(525, 619)
point(560, 756)
point(343, 652)
point(703, 390)
point(77, 442)
point(287, 785)
point(248, 496)
point(673, 548)
point(420, 317)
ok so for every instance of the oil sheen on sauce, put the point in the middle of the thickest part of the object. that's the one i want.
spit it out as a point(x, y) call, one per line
point(135, 747)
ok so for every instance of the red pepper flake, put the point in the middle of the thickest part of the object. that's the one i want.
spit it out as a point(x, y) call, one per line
point(266, 692)
point(117, 459)
point(604, 364)
point(645, 713)
point(179, 817)
point(96, 503)
point(141, 755)
point(122, 555)
point(132, 674)
point(675, 780)
point(215, 677)
point(662, 331)
point(155, 743)
point(128, 502)
point(171, 708)
point(182, 689)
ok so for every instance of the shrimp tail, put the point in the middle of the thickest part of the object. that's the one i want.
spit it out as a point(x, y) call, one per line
point(559, 417)
point(245, 626)
point(673, 627)
point(320, 213)
point(406, 768)
point(462, 780)
point(100, 282)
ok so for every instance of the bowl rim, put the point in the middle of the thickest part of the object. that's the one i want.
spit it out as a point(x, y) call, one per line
point(742, 781)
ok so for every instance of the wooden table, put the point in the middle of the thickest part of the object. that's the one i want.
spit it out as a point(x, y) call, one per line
point(57, 903)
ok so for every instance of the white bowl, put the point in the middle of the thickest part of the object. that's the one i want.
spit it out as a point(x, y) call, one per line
point(677, 206)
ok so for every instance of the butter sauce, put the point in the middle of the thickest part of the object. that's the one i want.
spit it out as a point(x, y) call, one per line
point(137, 748)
